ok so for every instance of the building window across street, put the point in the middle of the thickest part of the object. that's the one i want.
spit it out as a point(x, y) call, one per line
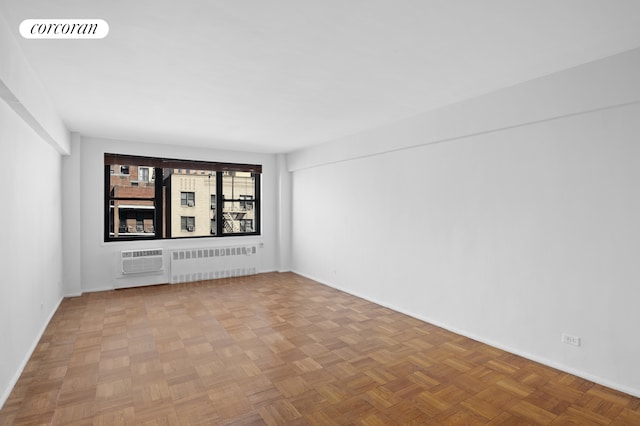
point(188, 199)
point(157, 198)
point(188, 223)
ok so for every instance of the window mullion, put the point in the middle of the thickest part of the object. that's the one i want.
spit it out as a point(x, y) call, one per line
point(107, 202)
point(257, 203)
point(159, 204)
point(219, 205)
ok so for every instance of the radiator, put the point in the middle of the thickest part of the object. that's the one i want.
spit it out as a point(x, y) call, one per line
point(212, 263)
point(141, 261)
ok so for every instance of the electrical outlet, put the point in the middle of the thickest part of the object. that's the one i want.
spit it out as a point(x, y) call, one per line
point(570, 340)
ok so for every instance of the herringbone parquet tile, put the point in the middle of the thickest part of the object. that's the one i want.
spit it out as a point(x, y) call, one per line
point(280, 349)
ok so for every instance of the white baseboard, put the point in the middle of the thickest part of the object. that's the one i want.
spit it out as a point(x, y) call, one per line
point(97, 290)
point(6, 392)
point(567, 369)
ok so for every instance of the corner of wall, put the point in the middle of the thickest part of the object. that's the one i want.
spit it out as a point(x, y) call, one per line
point(598, 85)
point(24, 93)
point(72, 219)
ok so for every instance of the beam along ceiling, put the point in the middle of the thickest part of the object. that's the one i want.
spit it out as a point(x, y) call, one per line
point(279, 75)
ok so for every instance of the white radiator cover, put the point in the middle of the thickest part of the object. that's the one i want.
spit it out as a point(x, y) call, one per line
point(212, 263)
point(141, 261)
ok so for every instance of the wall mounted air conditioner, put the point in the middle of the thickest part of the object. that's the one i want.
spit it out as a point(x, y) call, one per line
point(141, 261)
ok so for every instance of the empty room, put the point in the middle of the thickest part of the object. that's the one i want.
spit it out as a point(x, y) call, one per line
point(320, 213)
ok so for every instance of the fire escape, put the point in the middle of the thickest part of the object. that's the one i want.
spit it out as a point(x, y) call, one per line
point(233, 217)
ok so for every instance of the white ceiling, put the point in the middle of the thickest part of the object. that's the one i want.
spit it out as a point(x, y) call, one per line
point(279, 75)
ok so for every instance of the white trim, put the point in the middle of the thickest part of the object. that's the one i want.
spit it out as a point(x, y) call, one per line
point(99, 289)
point(567, 369)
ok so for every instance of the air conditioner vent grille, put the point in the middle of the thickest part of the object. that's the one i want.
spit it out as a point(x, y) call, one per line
point(141, 261)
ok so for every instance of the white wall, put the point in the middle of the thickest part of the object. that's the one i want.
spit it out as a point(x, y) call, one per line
point(597, 85)
point(100, 261)
point(32, 137)
point(511, 230)
point(26, 95)
point(30, 246)
point(71, 219)
point(284, 214)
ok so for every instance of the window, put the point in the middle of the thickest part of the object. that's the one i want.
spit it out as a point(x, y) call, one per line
point(245, 205)
point(144, 175)
point(246, 225)
point(150, 198)
point(187, 223)
point(188, 199)
point(131, 207)
point(238, 192)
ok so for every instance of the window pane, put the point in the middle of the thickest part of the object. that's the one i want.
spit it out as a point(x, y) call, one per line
point(238, 212)
point(237, 185)
point(189, 196)
point(132, 205)
point(237, 217)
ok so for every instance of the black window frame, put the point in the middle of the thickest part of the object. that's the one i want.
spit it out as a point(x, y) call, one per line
point(162, 213)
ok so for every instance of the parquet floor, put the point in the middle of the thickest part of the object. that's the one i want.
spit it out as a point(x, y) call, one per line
point(279, 349)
